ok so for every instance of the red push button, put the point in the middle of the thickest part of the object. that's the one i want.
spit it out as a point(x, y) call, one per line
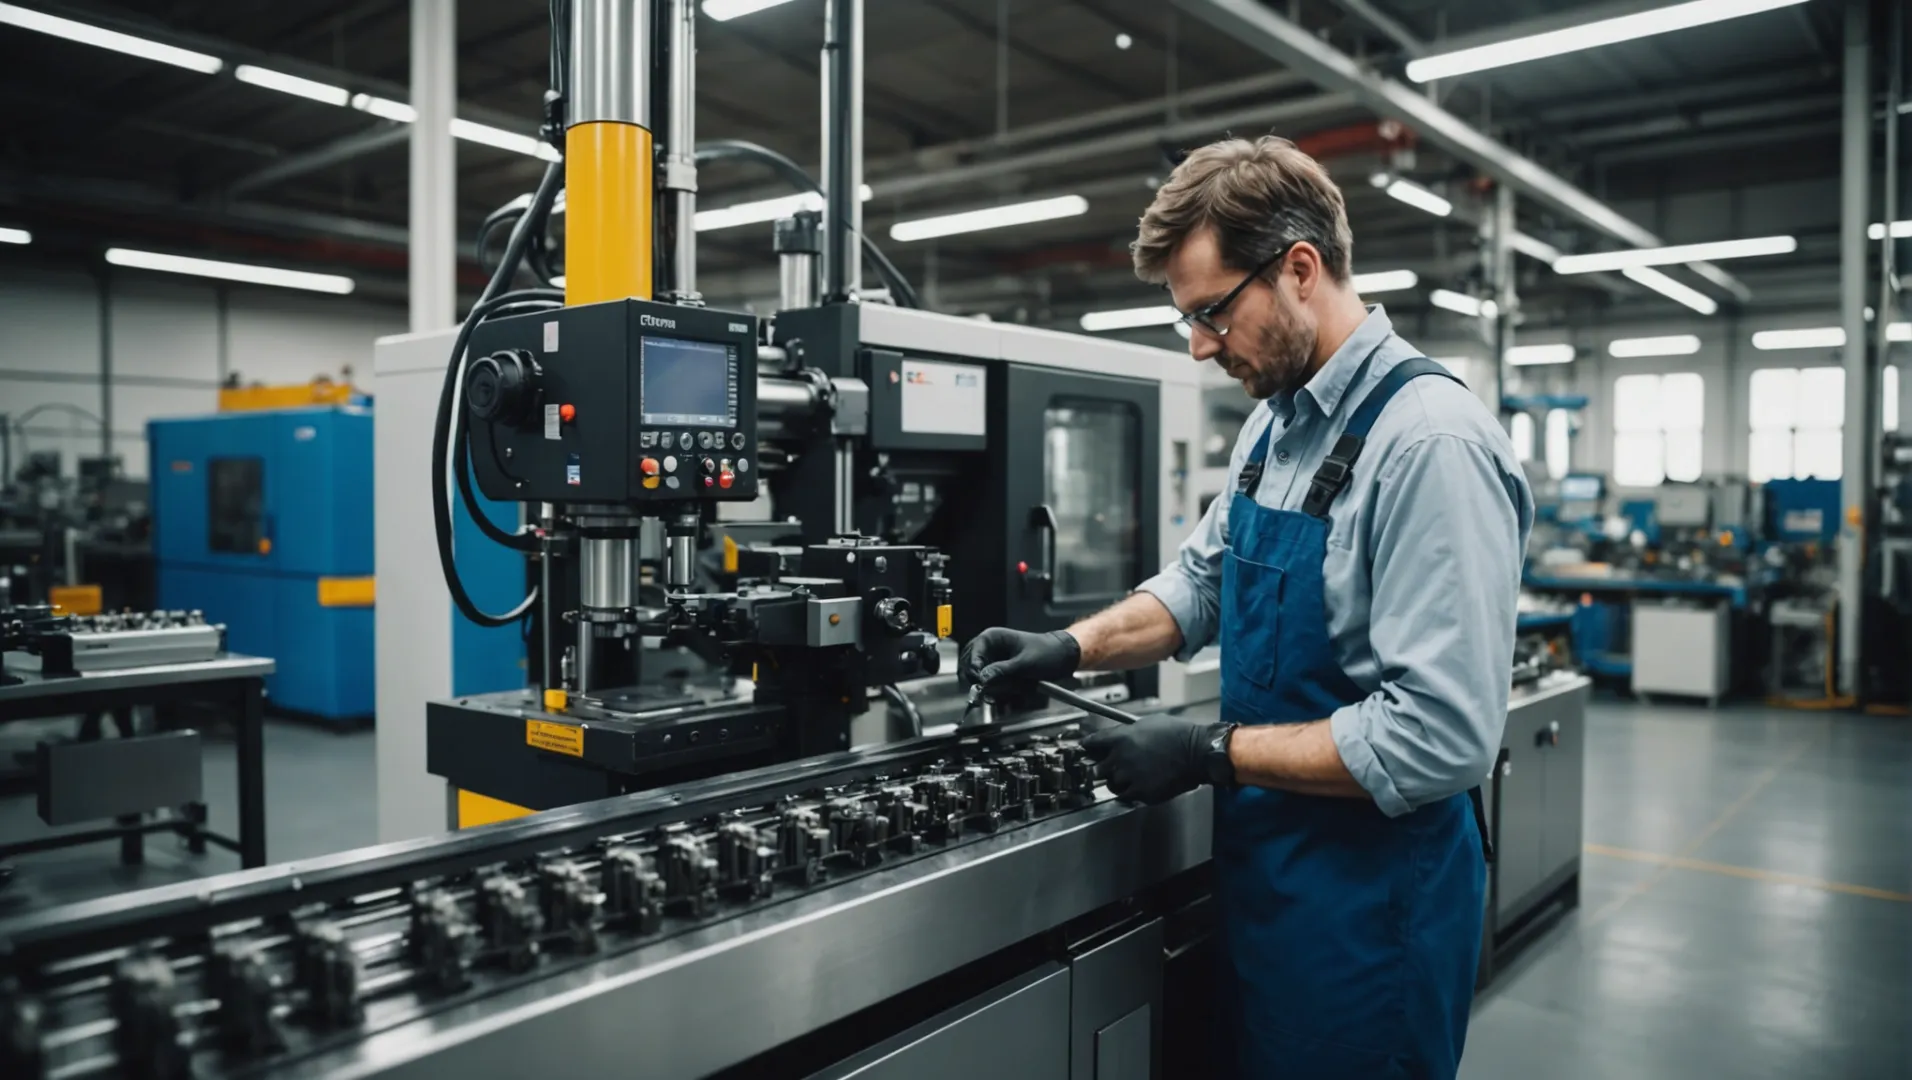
point(724, 480)
point(648, 466)
point(567, 412)
point(710, 481)
point(1022, 568)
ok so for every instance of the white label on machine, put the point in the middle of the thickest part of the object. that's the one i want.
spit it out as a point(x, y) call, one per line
point(551, 336)
point(1803, 521)
point(944, 399)
point(553, 423)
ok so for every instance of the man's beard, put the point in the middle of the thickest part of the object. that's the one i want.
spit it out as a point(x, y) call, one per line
point(1276, 361)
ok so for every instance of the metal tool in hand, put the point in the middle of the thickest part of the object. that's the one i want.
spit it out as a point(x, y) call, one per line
point(1061, 696)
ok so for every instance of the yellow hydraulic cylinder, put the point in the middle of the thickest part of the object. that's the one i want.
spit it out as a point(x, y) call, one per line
point(608, 208)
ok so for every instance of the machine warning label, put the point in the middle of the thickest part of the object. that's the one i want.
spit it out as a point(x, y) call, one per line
point(551, 336)
point(945, 621)
point(573, 471)
point(557, 738)
point(553, 423)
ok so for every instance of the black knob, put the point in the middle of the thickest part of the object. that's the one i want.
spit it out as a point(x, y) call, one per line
point(503, 388)
point(929, 661)
point(894, 612)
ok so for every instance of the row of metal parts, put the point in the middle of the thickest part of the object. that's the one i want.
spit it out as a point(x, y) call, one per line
point(245, 990)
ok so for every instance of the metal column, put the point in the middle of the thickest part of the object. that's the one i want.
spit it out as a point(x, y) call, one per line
point(680, 163)
point(1499, 255)
point(1862, 422)
point(434, 183)
point(843, 149)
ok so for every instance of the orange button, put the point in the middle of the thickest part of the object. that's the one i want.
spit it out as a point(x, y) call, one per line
point(652, 481)
point(725, 480)
point(567, 412)
point(648, 466)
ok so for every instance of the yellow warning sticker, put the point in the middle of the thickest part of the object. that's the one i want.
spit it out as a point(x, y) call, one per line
point(557, 738)
point(945, 621)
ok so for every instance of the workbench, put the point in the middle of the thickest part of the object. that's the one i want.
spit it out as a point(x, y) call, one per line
point(1599, 629)
point(228, 679)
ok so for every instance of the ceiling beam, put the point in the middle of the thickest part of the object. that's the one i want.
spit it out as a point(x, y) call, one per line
point(1276, 37)
point(323, 156)
point(1386, 25)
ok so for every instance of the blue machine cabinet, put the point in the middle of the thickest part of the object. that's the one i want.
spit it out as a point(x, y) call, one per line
point(263, 520)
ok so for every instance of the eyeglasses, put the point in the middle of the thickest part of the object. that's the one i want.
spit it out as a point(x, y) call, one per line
point(1205, 315)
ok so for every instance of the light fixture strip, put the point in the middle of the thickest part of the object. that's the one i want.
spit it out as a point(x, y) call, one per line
point(993, 217)
point(227, 271)
point(99, 36)
point(1678, 253)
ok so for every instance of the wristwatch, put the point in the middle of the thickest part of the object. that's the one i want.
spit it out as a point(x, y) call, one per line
point(1216, 764)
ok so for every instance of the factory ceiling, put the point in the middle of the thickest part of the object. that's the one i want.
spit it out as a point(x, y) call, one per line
point(1710, 134)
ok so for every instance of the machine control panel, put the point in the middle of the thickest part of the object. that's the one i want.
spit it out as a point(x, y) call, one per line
point(626, 402)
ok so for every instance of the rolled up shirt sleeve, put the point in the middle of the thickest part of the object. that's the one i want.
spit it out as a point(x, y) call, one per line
point(1445, 538)
point(1191, 586)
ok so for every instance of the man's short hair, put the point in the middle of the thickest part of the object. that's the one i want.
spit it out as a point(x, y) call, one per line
point(1257, 196)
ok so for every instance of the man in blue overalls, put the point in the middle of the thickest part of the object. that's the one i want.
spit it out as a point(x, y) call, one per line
point(1362, 577)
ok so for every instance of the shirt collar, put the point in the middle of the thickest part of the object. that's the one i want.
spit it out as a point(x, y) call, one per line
point(1331, 383)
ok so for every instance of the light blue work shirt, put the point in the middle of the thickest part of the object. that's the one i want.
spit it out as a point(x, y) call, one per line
point(1422, 574)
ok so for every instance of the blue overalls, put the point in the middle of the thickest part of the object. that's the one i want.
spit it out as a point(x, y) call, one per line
point(1350, 939)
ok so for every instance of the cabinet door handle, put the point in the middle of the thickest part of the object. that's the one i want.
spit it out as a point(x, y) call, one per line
point(1042, 576)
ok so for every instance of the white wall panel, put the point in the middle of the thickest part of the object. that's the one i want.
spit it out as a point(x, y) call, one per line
point(165, 328)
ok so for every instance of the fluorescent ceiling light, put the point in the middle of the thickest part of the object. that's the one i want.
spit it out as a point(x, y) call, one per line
point(1671, 345)
point(1671, 289)
point(1815, 337)
point(725, 10)
point(257, 275)
point(1679, 253)
point(1385, 281)
point(1130, 318)
point(750, 213)
point(1536, 247)
point(1586, 36)
point(1463, 304)
point(292, 84)
point(502, 139)
point(1419, 197)
point(994, 217)
point(385, 108)
point(1535, 355)
point(1900, 230)
point(109, 39)
point(15, 236)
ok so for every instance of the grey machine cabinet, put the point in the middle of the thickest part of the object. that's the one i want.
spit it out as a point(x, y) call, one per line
point(1534, 809)
point(1096, 1017)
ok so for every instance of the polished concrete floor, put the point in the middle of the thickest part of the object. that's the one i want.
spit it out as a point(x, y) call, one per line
point(1746, 907)
point(1746, 892)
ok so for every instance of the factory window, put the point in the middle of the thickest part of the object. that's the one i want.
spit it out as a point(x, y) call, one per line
point(1797, 415)
point(1657, 421)
point(1889, 395)
point(1559, 442)
point(1521, 429)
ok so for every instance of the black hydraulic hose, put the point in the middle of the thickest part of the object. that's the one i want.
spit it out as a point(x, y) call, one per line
point(896, 697)
point(793, 174)
point(493, 299)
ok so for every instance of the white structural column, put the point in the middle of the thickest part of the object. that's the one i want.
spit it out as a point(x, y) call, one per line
point(434, 185)
point(1862, 407)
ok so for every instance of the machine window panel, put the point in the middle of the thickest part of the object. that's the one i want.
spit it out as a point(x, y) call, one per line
point(235, 504)
point(1092, 479)
point(1559, 442)
point(1521, 430)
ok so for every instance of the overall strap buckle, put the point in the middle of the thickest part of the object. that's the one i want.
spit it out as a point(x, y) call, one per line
point(1250, 477)
point(1332, 476)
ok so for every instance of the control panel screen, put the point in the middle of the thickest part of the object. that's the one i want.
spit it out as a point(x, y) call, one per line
point(689, 382)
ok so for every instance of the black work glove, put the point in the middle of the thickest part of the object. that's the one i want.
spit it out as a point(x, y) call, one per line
point(1154, 759)
point(1000, 659)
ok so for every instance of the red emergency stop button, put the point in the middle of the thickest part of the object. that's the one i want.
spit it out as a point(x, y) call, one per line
point(648, 466)
point(1022, 568)
point(726, 478)
point(567, 412)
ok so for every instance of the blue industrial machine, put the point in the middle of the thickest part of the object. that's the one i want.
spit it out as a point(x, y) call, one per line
point(263, 520)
